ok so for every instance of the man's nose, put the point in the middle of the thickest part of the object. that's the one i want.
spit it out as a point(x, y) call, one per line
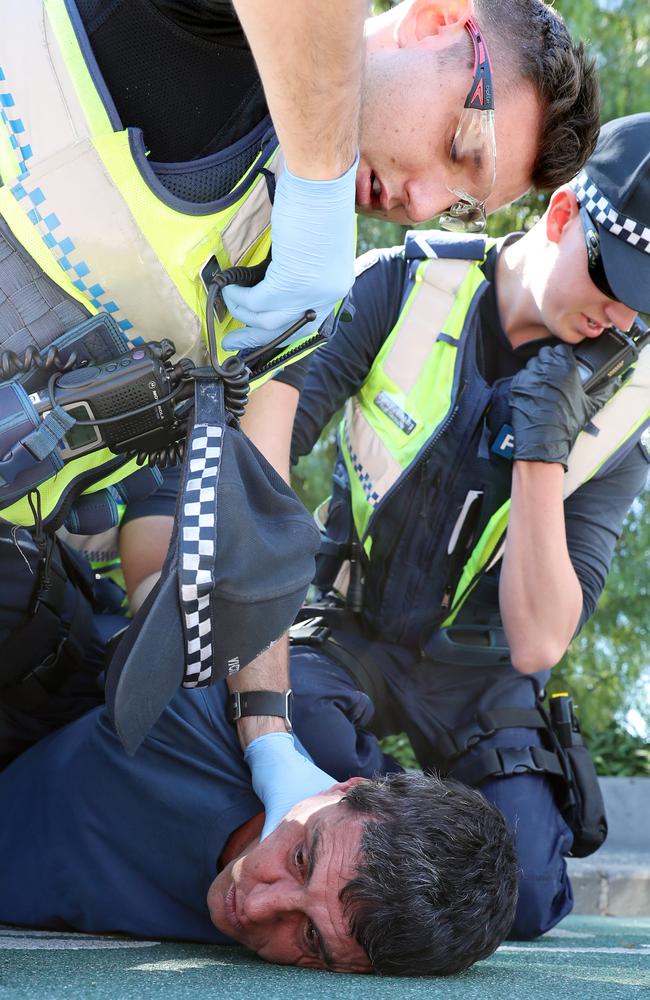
point(268, 902)
point(423, 200)
point(620, 315)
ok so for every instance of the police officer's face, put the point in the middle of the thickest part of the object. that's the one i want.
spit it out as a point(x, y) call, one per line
point(572, 307)
point(281, 897)
point(411, 105)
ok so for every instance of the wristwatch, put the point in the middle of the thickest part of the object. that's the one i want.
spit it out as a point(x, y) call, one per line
point(244, 703)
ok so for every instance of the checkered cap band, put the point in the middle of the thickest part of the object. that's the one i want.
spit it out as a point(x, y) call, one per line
point(601, 210)
point(198, 529)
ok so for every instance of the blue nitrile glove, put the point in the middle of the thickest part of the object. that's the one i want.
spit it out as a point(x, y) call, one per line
point(282, 776)
point(312, 266)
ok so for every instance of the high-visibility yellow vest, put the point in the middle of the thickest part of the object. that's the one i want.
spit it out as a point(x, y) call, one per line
point(80, 196)
point(412, 388)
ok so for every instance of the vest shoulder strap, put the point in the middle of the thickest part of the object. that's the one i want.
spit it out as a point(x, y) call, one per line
point(430, 244)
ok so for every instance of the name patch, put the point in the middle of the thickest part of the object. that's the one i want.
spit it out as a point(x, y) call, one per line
point(395, 412)
point(504, 443)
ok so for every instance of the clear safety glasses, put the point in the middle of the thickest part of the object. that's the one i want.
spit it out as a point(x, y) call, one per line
point(473, 154)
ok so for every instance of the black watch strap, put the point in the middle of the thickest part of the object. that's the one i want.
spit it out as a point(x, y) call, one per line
point(244, 703)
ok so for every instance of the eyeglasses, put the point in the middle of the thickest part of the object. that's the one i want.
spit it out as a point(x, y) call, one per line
point(594, 257)
point(474, 148)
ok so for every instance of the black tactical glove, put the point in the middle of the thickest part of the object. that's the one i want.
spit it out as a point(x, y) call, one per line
point(550, 407)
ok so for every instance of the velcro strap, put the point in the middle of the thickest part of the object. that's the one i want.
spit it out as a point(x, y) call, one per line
point(453, 744)
point(51, 431)
point(504, 762)
point(242, 704)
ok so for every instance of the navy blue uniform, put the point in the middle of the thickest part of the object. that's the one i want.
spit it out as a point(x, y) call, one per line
point(429, 698)
point(21, 726)
point(95, 840)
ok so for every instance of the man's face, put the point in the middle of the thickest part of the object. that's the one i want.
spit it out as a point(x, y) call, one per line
point(410, 111)
point(281, 897)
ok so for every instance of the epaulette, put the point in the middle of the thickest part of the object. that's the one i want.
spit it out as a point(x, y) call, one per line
point(428, 244)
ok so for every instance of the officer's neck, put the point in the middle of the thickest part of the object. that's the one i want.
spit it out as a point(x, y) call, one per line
point(516, 285)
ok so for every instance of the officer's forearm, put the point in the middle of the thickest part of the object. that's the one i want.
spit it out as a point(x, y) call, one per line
point(310, 57)
point(539, 593)
point(269, 672)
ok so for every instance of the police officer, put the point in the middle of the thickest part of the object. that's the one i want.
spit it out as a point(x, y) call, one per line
point(466, 416)
point(98, 215)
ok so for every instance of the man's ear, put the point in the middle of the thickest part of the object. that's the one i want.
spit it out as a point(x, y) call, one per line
point(344, 786)
point(562, 208)
point(437, 23)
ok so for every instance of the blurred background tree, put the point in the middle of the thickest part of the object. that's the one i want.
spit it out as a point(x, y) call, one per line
point(608, 666)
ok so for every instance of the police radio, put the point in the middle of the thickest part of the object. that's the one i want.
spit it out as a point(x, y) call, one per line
point(602, 358)
point(128, 404)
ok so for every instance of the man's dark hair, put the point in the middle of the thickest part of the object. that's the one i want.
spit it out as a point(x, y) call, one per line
point(436, 885)
point(531, 40)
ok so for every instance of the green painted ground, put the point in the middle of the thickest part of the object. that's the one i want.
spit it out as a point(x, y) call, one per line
point(584, 959)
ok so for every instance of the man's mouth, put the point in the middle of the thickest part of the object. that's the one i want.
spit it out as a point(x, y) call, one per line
point(371, 194)
point(593, 327)
point(230, 908)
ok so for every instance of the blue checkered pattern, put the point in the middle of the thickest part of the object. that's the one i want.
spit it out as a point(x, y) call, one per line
point(198, 529)
point(15, 126)
point(602, 211)
point(34, 202)
point(364, 477)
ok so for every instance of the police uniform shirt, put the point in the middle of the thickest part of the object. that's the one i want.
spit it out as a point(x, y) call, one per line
point(95, 840)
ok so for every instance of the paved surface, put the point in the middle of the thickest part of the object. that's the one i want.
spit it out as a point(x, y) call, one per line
point(616, 880)
point(587, 958)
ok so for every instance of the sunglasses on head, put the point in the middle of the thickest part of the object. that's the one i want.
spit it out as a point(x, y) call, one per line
point(594, 256)
point(473, 151)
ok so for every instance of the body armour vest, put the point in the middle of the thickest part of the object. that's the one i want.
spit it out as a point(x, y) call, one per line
point(425, 447)
point(86, 225)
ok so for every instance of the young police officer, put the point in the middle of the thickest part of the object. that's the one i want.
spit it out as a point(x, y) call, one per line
point(99, 215)
point(465, 409)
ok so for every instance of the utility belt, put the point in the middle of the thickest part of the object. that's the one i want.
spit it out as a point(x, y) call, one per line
point(563, 758)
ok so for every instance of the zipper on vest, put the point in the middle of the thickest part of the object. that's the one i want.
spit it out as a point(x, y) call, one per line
point(421, 460)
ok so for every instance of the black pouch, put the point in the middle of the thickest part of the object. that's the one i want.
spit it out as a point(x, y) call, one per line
point(582, 802)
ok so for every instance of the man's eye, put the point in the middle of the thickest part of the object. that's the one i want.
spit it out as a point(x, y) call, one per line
point(299, 859)
point(311, 937)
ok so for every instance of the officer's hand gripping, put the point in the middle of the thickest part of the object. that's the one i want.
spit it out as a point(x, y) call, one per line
point(550, 407)
point(313, 245)
point(282, 776)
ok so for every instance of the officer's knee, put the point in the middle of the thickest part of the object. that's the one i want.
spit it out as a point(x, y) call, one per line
point(544, 900)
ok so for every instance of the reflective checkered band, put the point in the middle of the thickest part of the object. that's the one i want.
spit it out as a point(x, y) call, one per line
point(198, 543)
point(33, 200)
point(14, 125)
point(364, 477)
point(601, 210)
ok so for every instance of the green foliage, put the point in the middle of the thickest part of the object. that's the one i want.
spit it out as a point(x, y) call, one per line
point(400, 748)
point(606, 667)
point(617, 753)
